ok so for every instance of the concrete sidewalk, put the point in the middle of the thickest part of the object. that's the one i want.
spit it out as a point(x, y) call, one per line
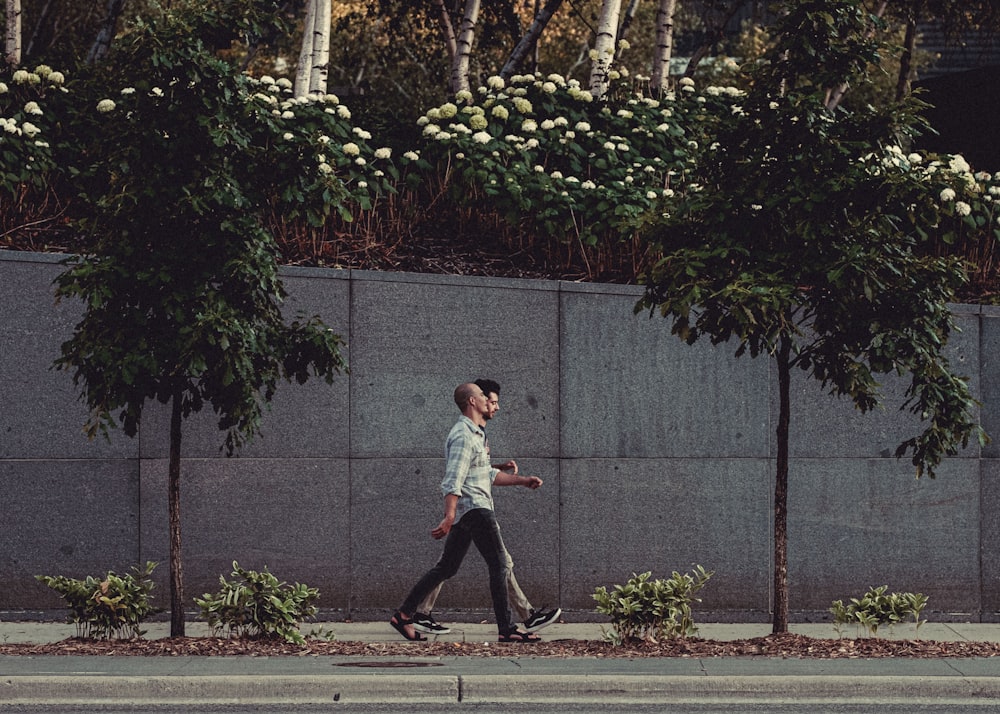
point(520, 677)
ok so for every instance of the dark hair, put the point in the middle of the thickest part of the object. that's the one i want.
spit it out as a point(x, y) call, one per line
point(488, 385)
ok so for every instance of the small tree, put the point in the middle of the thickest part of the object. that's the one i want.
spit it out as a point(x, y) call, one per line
point(805, 239)
point(180, 173)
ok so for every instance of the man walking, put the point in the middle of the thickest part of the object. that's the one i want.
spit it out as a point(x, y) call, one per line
point(534, 620)
point(469, 517)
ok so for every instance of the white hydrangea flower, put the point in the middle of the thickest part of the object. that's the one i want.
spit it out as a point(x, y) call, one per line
point(495, 82)
point(362, 184)
point(588, 184)
point(288, 136)
point(432, 130)
point(547, 124)
point(57, 78)
point(482, 137)
point(500, 112)
point(360, 161)
point(30, 130)
point(962, 208)
point(529, 125)
point(411, 155)
point(947, 195)
point(464, 95)
point(549, 87)
point(582, 126)
point(343, 112)
point(959, 165)
point(325, 168)
point(106, 105)
point(3, 88)
point(33, 108)
point(652, 195)
point(351, 149)
point(522, 105)
point(478, 122)
point(20, 76)
point(383, 152)
point(557, 174)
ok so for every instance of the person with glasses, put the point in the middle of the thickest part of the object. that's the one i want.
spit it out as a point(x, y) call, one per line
point(532, 619)
point(469, 518)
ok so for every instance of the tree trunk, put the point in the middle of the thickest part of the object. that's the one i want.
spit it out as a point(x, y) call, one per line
point(12, 52)
point(906, 60)
point(780, 623)
point(107, 32)
point(463, 56)
point(604, 47)
point(627, 17)
point(447, 29)
point(530, 39)
point(304, 68)
point(174, 501)
point(837, 94)
point(319, 69)
point(664, 44)
point(718, 32)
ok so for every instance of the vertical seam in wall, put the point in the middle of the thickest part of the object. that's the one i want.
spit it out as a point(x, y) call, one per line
point(982, 467)
point(348, 606)
point(559, 450)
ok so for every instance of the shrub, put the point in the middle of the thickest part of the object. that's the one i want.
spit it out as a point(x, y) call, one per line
point(878, 608)
point(257, 605)
point(112, 607)
point(645, 609)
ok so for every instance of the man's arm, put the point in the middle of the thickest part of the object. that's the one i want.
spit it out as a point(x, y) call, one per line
point(508, 479)
point(450, 504)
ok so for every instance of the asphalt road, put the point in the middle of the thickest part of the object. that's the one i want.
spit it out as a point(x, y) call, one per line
point(811, 707)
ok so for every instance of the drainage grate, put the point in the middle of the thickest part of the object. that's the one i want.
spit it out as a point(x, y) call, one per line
point(389, 664)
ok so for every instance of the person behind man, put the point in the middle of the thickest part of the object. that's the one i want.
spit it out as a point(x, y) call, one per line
point(532, 619)
point(469, 518)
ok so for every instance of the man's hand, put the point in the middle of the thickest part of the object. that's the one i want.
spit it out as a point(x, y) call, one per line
point(443, 528)
point(508, 466)
point(533, 482)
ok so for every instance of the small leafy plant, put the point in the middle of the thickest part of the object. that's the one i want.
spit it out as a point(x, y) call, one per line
point(256, 605)
point(877, 607)
point(645, 609)
point(112, 607)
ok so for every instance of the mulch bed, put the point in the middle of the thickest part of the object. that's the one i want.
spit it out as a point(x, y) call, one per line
point(780, 646)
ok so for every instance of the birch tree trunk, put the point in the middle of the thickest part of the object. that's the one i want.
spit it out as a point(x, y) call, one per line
point(107, 32)
point(837, 94)
point(320, 67)
point(530, 38)
point(447, 29)
point(304, 68)
point(664, 44)
point(604, 47)
point(627, 17)
point(463, 56)
point(905, 78)
point(13, 46)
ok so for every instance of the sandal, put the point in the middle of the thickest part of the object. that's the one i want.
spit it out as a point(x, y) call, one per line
point(399, 624)
point(518, 636)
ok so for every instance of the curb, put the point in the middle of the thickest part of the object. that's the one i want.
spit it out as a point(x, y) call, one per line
point(428, 689)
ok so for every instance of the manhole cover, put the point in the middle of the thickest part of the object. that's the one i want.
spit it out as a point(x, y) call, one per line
point(385, 665)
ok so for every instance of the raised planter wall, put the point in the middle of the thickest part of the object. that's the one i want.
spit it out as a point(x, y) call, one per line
point(656, 456)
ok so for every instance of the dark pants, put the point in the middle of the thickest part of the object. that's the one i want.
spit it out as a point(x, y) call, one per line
point(478, 526)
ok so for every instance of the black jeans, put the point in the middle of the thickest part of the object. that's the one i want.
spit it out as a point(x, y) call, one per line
point(478, 526)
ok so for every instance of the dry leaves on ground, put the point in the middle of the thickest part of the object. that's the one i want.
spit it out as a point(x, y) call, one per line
point(782, 645)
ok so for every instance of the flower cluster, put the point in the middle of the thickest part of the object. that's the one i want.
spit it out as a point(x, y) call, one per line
point(316, 130)
point(545, 152)
point(24, 123)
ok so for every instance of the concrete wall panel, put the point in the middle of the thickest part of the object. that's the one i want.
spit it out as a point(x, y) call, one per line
point(625, 516)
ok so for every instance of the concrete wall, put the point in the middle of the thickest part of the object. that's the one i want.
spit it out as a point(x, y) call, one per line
point(656, 456)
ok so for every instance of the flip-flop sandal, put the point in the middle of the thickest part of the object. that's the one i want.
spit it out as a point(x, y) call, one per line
point(518, 636)
point(399, 624)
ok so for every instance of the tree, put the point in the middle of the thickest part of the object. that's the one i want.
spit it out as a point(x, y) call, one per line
point(314, 57)
point(463, 47)
point(12, 51)
point(664, 44)
point(180, 282)
point(604, 47)
point(805, 239)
